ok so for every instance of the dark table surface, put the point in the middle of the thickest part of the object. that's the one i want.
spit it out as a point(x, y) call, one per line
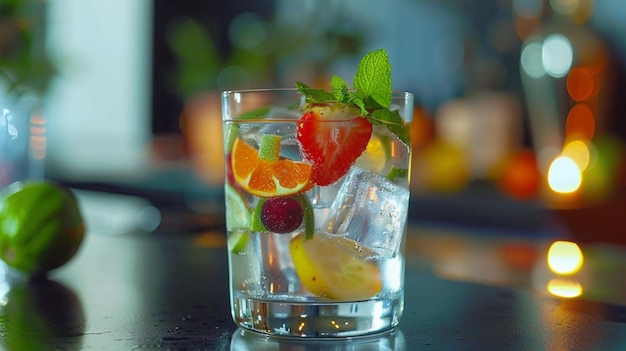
point(169, 291)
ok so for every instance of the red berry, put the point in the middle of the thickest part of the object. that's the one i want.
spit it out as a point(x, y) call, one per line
point(332, 138)
point(281, 214)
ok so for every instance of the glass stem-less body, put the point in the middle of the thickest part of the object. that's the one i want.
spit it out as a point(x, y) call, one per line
point(341, 272)
point(267, 296)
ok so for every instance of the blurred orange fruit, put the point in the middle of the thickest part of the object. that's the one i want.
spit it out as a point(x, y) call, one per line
point(441, 166)
point(520, 177)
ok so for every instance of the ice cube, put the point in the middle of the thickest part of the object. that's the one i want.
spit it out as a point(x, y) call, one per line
point(252, 134)
point(322, 197)
point(371, 210)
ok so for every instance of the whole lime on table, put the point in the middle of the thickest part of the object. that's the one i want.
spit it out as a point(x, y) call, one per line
point(41, 227)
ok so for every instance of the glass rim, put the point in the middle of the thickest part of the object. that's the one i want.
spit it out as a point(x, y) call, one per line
point(230, 98)
point(395, 93)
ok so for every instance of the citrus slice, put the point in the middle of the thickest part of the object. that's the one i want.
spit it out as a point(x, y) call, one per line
point(264, 173)
point(238, 240)
point(374, 157)
point(237, 220)
point(237, 212)
point(335, 267)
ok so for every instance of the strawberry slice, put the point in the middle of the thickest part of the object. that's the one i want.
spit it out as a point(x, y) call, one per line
point(332, 138)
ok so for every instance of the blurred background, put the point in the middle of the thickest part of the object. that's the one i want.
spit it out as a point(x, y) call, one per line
point(518, 117)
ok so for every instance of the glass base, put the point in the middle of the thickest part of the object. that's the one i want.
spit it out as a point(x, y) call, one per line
point(317, 319)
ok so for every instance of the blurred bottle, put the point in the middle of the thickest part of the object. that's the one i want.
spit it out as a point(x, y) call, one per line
point(569, 79)
point(571, 83)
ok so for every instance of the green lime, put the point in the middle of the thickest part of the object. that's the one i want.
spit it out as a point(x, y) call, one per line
point(237, 220)
point(41, 227)
point(269, 149)
point(238, 240)
point(256, 224)
point(237, 211)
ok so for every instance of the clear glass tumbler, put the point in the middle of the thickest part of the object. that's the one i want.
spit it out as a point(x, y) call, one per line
point(316, 209)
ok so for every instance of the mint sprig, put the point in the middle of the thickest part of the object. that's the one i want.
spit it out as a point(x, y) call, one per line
point(372, 80)
point(371, 94)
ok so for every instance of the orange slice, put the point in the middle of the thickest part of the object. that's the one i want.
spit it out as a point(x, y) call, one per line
point(264, 173)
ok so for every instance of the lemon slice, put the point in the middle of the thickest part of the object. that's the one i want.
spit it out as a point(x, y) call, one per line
point(335, 267)
point(375, 155)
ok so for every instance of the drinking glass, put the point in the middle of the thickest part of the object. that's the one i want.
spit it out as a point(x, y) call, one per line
point(312, 256)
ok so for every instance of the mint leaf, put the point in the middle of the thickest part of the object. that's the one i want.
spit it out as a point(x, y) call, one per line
point(372, 94)
point(354, 99)
point(314, 95)
point(397, 173)
point(342, 92)
point(372, 80)
point(340, 88)
point(394, 122)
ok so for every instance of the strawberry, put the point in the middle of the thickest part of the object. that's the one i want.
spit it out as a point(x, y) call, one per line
point(332, 138)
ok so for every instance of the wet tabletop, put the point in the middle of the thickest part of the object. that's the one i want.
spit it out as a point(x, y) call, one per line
point(164, 291)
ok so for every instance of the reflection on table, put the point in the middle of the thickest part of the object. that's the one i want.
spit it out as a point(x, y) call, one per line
point(465, 289)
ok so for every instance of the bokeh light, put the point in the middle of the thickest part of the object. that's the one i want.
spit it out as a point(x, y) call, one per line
point(578, 151)
point(565, 257)
point(557, 55)
point(600, 179)
point(580, 122)
point(530, 60)
point(248, 31)
point(581, 84)
point(564, 288)
point(564, 176)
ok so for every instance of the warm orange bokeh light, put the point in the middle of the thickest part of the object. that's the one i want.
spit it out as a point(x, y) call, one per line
point(565, 257)
point(581, 84)
point(580, 122)
point(578, 151)
point(564, 288)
